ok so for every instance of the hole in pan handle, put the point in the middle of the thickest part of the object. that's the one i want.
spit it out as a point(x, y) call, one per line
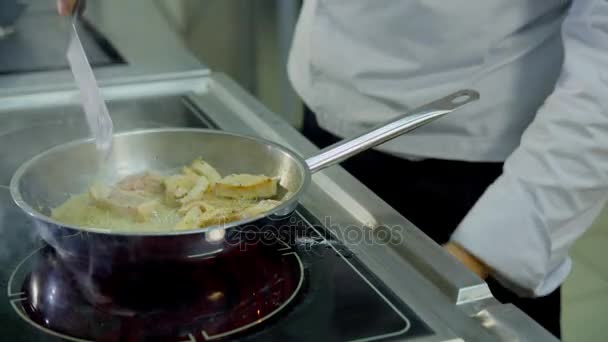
point(347, 148)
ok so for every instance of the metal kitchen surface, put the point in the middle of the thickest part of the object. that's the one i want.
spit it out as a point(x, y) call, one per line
point(40, 40)
point(124, 39)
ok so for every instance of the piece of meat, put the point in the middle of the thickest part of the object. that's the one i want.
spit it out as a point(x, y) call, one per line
point(128, 203)
point(204, 169)
point(146, 182)
point(246, 186)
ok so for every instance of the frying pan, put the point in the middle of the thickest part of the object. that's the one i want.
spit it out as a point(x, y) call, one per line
point(48, 179)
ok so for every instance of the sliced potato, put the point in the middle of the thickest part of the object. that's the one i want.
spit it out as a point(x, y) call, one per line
point(204, 169)
point(196, 197)
point(259, 208)
point(191, 220)
point(246, 186)
point(178, 186)
point(204, 206)
point(219, 216)
point(198, 217)
point(198, 190)
point(99, 192)
point(146, 210)
point(189, 172)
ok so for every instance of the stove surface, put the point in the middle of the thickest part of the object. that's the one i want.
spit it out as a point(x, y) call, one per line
point(304, 287)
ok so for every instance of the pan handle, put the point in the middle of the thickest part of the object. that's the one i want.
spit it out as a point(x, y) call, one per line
point(347, 148)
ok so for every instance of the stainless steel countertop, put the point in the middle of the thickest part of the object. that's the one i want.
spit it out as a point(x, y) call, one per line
point(451, 300)
point(136, 28)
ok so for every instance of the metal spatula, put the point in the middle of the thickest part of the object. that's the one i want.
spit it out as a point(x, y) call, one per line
point(95, 107)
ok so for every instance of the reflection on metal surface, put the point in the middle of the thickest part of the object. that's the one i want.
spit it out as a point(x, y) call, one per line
point(508, 323)
point(34, 289)
point(6, 31)
point(473, 293)
point(205, 255)
point(11, 287)
point(270, 314)
point(215, 235)
point(17, 306)
point(50, 295)
point(486, 320)
point(215, 296)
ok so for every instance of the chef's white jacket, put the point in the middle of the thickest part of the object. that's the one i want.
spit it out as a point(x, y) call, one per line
point(541, 67)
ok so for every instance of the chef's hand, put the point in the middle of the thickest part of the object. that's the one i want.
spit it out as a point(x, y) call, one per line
point(65, 7)
point(467, 259)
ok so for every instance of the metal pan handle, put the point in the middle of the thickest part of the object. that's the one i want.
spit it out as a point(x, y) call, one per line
point(347, 148)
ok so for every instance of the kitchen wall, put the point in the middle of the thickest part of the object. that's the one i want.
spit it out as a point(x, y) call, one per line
point(247, 39)
point(585, 292)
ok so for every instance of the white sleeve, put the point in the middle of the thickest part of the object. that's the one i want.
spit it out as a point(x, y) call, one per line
point(556, 182)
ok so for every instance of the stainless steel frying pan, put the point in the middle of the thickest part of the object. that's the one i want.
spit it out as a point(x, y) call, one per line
point(48, 179)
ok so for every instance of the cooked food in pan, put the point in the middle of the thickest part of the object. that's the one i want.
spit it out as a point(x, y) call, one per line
point(196, 197)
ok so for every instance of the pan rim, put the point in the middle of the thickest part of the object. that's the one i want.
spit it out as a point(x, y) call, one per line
point(33, 213)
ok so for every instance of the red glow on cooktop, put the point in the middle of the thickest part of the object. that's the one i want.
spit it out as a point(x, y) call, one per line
point(206, 299)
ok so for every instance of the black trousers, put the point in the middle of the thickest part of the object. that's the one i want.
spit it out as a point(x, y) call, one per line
point(435, 195)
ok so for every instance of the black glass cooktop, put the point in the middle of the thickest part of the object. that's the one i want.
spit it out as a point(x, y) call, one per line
point(304, 286)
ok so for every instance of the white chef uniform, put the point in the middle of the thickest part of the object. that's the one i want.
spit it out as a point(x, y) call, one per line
point(541, 67)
